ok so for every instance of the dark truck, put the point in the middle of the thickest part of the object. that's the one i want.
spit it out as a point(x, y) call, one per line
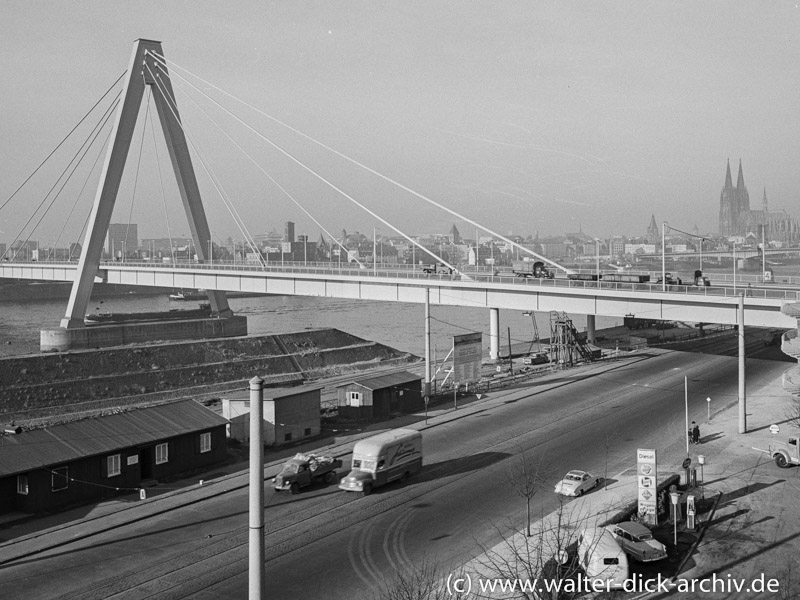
point(529, 268)
point(670, 280)
point(437, 269)
point(700, 279)
point(304, 469)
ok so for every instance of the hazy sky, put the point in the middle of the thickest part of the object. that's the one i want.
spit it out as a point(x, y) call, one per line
point(523, 115)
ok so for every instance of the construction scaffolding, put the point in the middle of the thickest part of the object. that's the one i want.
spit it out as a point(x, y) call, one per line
point(567, 345)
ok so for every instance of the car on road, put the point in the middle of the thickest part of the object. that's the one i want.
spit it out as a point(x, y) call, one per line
point(536, 358)
point(637, 541)
point(576, 483)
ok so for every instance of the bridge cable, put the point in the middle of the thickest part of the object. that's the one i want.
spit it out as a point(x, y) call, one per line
point(78, 197)
point(62, 141)
point(190, 138)
point(99, 128)
point(136, 177)
point(161, 184)
point(73, 165)
point(238, 221)
point(278, 185)
point(323, 179)
point(368, 169)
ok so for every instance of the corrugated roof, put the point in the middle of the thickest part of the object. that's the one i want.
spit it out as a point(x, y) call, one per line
point(98, 435)
point(377, 382)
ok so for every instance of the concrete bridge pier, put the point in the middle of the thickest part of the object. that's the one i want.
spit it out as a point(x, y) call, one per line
point(591, 335)
point(494, 333)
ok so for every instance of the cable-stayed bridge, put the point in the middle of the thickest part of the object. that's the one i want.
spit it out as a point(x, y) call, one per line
point(148, 76)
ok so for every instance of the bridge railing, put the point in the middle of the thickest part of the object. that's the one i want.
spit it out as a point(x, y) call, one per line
point(479, 274)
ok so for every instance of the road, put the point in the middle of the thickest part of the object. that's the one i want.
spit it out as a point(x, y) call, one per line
point(326, 543)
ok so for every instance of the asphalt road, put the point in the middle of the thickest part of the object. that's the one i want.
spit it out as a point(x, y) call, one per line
point(327, 543)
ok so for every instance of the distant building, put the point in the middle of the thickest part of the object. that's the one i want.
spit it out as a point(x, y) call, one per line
point(122, 239)
point(290, 414)
point(82, 461)
point(288, 234)
point(454, 235)
point(653, 236)
point(736, 218)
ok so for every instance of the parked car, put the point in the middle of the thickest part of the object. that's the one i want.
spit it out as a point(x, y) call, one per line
point(575, 483)
point(637, 541)
point(536, 358)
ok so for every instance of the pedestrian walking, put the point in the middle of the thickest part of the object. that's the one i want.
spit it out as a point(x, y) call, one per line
point(695, 433)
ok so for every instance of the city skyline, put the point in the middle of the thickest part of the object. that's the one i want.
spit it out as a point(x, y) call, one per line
point(543, 118)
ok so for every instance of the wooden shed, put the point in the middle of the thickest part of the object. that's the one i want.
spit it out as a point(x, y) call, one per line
point(290, 414)
point(88, 459)
point(380, 396)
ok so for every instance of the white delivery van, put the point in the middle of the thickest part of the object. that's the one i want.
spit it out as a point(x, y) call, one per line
point(386, 457)
point(601, 557)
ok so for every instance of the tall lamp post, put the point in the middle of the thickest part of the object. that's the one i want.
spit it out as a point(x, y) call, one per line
point(597, 256)
point(663, 257)
point(702, 460)
point(708, 402)
point(674, 497)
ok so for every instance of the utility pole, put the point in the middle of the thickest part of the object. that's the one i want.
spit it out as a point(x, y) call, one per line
point(427, 350)
point(742, 391)
point(256, 538)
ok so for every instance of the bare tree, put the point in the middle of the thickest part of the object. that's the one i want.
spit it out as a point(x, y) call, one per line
point(792, 412)
point(545, 564)
point(429, 581)
point(526, 475)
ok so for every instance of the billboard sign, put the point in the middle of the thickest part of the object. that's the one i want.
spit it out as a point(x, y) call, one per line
point(467, 357)
point(647, 473)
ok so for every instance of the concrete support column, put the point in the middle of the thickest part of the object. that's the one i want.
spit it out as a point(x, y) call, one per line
point(591, 336)
point(256, 539)
point(494, 333)
point(742, 393)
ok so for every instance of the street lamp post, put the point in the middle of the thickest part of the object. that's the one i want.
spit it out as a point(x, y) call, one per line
point(701, 254)
point(702, 460)
point(686, 404)
point(734, 268)
point(663, 257)
point(708, 402)
point(597, 256)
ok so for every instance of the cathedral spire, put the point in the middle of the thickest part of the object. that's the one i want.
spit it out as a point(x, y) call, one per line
point(728, 180)
point(740, 178)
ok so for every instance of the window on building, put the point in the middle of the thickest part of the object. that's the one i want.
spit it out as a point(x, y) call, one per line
point(307, 431)
point(162, 453)
point(114, 465)
point(22, 484)
point(287, 437)
point(355, 399)
point(59, 479)
point(205, 442)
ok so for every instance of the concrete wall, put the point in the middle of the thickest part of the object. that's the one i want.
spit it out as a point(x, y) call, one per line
point(103, 336)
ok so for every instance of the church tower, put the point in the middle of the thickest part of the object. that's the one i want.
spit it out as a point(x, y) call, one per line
point(742, 197)
point(652, 231)
point(727, 218)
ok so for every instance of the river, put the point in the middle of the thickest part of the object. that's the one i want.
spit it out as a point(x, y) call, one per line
point(394, 324)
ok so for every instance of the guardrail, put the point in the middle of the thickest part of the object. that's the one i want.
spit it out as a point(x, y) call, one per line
point(415, 273)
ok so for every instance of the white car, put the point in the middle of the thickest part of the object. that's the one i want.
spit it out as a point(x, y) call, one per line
point(637, 541)
point(575, 483)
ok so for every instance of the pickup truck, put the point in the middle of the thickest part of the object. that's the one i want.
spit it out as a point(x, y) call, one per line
point(304, 469)
point(785, 453)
